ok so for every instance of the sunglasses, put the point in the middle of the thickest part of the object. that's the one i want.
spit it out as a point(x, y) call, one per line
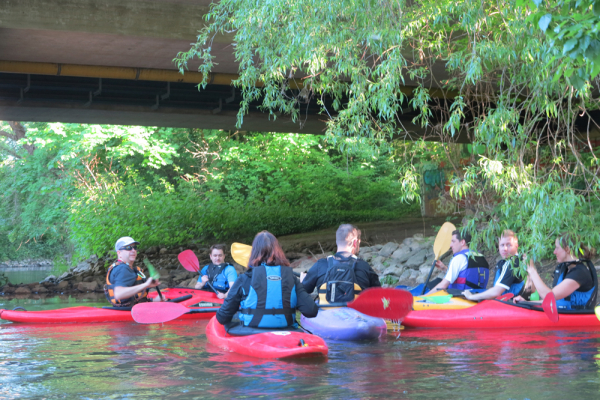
point(129, 248)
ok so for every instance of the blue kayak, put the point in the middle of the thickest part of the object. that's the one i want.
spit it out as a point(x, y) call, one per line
point(344, 324)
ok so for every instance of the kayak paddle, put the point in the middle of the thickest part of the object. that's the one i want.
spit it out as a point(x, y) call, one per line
point(441, 244)
point(157, 313)
point(597, 310)
point(385, 303)
point(505, 297)
point(154, 275)
point(241, 254)
point(188, 259)
point(549, 306)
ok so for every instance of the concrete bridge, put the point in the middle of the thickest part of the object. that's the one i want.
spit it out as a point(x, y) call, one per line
point(110, 61)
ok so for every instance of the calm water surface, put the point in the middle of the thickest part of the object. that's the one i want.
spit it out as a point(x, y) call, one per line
point(130, 361)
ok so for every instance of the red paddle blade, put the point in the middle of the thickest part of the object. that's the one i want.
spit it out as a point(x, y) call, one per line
point(188, 259)
point(391, 304)
point(505, 297)
point(156, 313)
point(549, 306)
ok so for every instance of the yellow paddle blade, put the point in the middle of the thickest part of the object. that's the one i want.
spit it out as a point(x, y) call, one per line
point(442, 240)
point(241, 253)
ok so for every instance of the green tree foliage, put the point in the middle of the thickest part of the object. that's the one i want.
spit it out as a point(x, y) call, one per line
point(71, 187)
point(519, 77)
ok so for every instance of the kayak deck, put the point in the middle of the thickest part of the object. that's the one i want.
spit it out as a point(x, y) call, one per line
point(440, 300)
point(497, 314)
point(345, 324)
point(280, 344)
point(85, 314)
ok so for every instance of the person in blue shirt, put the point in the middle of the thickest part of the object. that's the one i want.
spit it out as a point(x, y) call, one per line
point(220, 274)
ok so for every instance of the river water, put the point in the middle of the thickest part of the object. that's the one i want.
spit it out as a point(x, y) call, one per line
point(174, 360)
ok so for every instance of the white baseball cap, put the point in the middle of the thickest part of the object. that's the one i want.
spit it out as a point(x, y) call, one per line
point(124, 241)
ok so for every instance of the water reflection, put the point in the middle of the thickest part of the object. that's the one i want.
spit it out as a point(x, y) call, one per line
point(125, 360)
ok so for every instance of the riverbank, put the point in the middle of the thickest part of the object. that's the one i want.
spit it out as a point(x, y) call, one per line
point(401, 252)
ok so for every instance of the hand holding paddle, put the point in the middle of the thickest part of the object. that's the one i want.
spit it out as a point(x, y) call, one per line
point(440, 246)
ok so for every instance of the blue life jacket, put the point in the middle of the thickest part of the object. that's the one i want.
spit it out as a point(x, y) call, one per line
point(515, 288)
point(271, 302)
point(213, 271)
point(577, 300)
point(475, 276)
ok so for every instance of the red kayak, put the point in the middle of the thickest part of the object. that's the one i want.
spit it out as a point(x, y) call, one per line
point(499, 314)
point(97, 314)
point(279, 344)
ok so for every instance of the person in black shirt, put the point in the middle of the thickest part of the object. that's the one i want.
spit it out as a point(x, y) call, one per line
point(573, 281)
point(348, 244)
point(506, 278)
point(268, 293)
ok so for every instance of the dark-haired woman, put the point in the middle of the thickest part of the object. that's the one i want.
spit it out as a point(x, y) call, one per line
point(575, 283)
point(268, 293)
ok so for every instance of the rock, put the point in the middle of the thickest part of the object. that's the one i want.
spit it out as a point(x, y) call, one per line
point(294, 255)
point(151, 250)
point(65, 276)
point(416, 259)
point(365, 250)
point(192, 283)
point(303, 264)
point(49, 279)
point(82, 268)
point(62, 285)
point(163, 251)
point(87, 286)
point(426, 267)
point(402, 254)
point(367, 257)
point(418, 236)
point(377, 247)
point(23, 290)
point(8, 289)
point(415, 274)
point(393, 270)
point(405, 275)
point(388, 249)
point(39, 289)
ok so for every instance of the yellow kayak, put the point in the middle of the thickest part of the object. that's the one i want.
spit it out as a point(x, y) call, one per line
point(440, 300)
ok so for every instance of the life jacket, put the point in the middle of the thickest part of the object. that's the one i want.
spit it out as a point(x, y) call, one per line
point(577, 300)
point(475, 276)
point(213, 271)
point(271, 301)
point(109, 288)
point(515, 288)
point(340, 281)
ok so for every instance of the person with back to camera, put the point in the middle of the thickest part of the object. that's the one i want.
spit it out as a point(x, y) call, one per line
point(575, 283)
point(342, 276)
point(467, 269)
point(268, 293)
point(127, 285)
point(506, 279)
point(218, 273)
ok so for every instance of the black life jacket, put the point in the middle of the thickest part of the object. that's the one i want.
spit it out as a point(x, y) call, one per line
point(213, 271)
point(340, 281)
point(109, 288)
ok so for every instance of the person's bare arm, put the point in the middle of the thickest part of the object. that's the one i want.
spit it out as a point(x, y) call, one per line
point(491, 293)
point(123, 292)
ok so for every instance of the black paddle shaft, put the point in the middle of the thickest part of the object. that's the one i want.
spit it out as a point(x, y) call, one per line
point(431, 271)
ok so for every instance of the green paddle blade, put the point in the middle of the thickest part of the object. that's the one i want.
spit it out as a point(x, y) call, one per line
point(151, 270)
point(438, 299)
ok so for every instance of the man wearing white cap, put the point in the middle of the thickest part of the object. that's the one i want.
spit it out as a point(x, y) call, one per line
point(127, 285)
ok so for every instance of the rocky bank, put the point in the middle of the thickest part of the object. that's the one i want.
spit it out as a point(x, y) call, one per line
point(404, 263)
